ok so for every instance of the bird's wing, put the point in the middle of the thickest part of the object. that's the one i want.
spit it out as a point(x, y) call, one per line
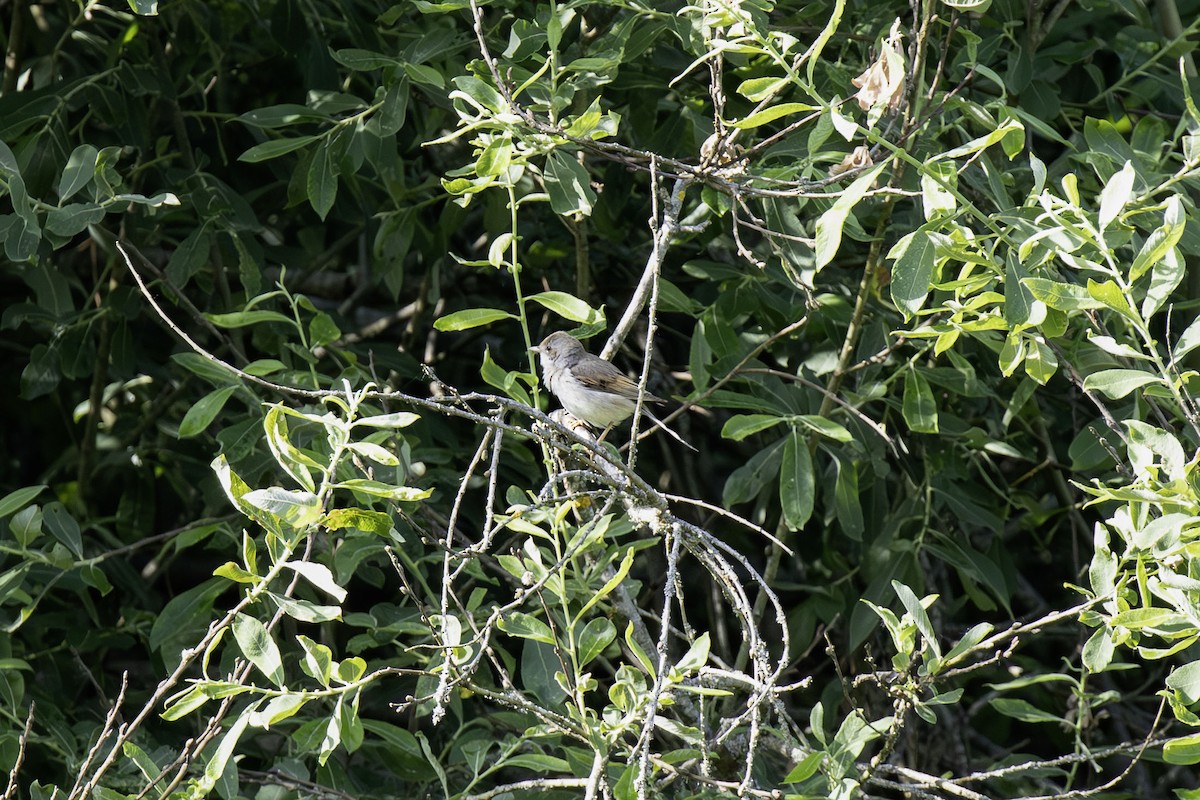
point(608, 378)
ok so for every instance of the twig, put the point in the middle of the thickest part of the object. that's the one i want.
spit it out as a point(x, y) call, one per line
point(665, 229)
point(11, 789)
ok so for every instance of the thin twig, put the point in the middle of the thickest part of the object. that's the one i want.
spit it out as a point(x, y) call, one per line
point(11, 789)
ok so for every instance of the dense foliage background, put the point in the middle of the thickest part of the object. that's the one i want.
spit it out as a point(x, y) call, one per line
point(279, 512)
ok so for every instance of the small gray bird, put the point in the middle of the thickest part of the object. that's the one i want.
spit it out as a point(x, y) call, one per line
point(589, 387)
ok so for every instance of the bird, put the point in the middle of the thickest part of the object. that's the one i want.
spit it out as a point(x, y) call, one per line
point(589, 387)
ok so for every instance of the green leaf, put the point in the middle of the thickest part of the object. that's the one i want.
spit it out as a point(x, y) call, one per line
point(299, 509)
point(318, 660)
point(756, 89)
point(26, 525)
point(380, 455)
point(236, 573)
point(241, 319)
point(363, 60)
point(919, 407)
point(1116, 383)
point(21, 238)
point(205, 410)
point(1111, 296)
point(1040, 361)
point(1164, 279)
point(154, 201)
point(526, 626)
point(507, 381)
point(916, 609)
point(258, 647)
point(740, 426)
point(278, 709)
point(638, 652)
point(796, 481)
point(401, 494)
point(975, 145)
point(609, 585)
point(322, 330)
point(224, 751)
point(807, 767)
point(146, 765)
point(190, 256)
point(1019, 302)
point(297, 464)
point(16, 500)
point(1111, 346)
point(425, 75)
point(319, 576)
point(748, 480)
point(829, 225)
point(184, 703)
point(696, 656)
point(333, 732)
point(394, 109)
point(471, 318)
point(1186, 681)
point(495, 158)
point(813, 53)
point(968, 642)
point(1188, 341)
point(322, 181)
point(847, 504)
point(595, 637)
point(826, 427)
point(376, 522)
point(351, 670)
point(275, 148)
point(1140, 618)
point(398, 419)
point(79, 171)
point(1061, 296)
point(568, 185)
point(1022, 710)
point(938, 179)
point(63, 527)
point(72, 218)
point(1184, 750)
point(479, 93)
point(912, 274)
point(282, 115)
point(1116, 194)
point(12, 579)
point(772, 113)
point(96, 578)
point(569, 307)
point(1160, 242)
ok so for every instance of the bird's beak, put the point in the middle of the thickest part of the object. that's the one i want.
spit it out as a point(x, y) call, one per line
point(536, 349)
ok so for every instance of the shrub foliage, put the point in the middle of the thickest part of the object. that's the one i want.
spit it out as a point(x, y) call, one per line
point(284, 512)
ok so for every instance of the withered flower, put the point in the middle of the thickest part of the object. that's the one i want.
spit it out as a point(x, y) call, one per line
point(882, 84)
point(856, 158)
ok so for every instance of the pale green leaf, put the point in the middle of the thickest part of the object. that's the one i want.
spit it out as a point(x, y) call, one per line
point(829, 225)
point(258, 647)
point(470, 318)
point(568, 306)
point(1116, 194)
point(1116, 383)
